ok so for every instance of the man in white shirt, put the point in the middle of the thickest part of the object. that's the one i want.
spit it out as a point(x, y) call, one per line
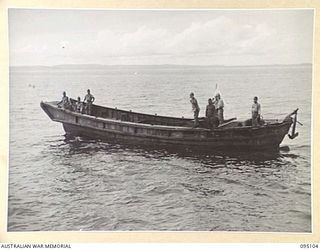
point(219, 107)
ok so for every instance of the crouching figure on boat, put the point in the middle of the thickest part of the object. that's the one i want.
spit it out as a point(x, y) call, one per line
point(79, 106)
point(65, 102)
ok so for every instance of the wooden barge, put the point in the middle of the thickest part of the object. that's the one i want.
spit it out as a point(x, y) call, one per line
point(130, 127)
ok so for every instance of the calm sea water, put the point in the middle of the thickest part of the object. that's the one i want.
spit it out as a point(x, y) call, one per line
point(60, 184)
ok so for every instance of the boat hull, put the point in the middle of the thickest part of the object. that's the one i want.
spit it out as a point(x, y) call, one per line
point(266, 137)
point(252, 144)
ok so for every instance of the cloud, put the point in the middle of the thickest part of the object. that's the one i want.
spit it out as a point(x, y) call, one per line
point(218, 38)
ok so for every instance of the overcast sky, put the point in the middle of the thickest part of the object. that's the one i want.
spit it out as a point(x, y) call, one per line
point(196, 37)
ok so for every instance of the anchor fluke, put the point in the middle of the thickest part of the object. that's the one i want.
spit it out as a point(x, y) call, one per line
point(293, 136)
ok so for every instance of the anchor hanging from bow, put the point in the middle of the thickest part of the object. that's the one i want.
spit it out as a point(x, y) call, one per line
point(294, 124)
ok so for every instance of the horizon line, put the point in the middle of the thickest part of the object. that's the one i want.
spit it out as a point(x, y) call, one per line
point(165, 64)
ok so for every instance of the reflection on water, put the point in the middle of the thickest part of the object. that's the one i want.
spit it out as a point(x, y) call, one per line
point(79, 145)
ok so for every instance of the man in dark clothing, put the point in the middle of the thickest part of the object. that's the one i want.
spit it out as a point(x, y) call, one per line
point(211, 115)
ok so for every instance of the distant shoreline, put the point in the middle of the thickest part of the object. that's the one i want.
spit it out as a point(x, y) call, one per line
point(102, 66)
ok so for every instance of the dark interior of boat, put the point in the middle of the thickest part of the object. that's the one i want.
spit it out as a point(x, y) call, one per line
point(129, 116)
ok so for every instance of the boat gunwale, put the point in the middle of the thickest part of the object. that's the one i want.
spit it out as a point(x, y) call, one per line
point(134, 124)
point(164, 127)
point(138, 113)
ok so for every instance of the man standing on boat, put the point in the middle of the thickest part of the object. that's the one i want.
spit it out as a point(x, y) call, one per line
point(219, 107)
point(89, 99)
point(211, 115)
point(255, 111)
point(195, 109)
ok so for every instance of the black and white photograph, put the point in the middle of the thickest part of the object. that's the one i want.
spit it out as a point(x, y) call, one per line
point(167, 120)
